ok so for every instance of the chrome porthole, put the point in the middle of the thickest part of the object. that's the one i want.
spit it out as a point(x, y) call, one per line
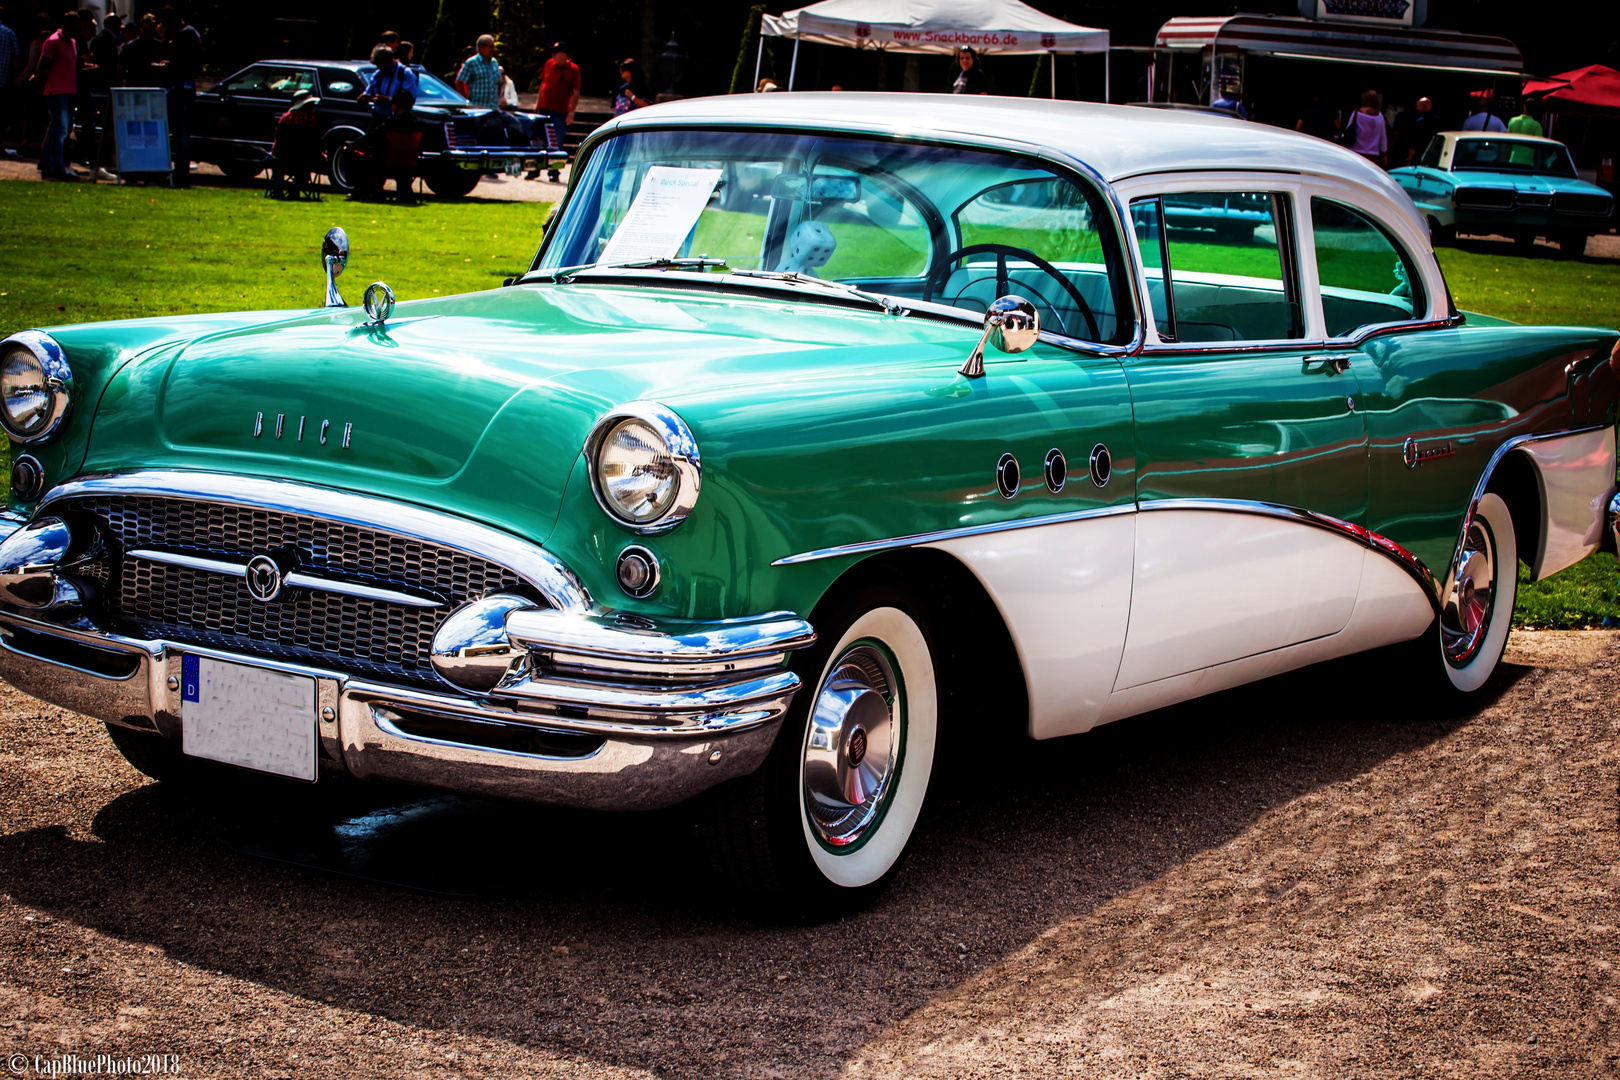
point(1102, 465)
point(1466, 617)
point(1007, 476)
point(1057, 470)
point(27, 478)
point(852, 748)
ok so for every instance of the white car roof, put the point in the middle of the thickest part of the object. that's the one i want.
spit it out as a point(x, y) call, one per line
point(1115, 140)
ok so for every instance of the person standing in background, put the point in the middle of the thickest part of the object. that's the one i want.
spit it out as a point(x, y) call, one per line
point(389, 79)
point(183, 46)
point(58, 80)
point(632, 92)
point(1416, 128)
point(403, 53)
point(1317, 119)
point(1366, 133)
point(10, 53)
point(559, 96)
point(1524, 124)
point(479, 79)
point(104, 54)
point(970, 79)
point(1480, 117)
point(138, 60)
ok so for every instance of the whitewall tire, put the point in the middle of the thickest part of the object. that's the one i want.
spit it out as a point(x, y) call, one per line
point(1477, 608)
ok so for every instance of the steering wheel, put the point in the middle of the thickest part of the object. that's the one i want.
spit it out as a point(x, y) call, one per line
point(936, 280)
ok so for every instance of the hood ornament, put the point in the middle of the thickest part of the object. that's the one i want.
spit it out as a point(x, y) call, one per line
point(379, 304)
point(335, 254)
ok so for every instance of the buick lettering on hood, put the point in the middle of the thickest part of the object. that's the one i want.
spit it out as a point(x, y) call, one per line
point(825, 437)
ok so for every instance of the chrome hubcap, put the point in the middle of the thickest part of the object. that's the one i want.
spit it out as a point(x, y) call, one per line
point(852, 750)
point(1467, 613)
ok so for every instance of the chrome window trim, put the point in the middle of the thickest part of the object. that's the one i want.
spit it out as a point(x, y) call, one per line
point(561, 589)
point(58, 375)
point(1106, 190)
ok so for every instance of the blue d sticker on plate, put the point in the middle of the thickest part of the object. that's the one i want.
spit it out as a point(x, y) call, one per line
point(188, 678)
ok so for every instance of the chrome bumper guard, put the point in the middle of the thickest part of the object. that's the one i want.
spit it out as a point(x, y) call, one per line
point(600, 711)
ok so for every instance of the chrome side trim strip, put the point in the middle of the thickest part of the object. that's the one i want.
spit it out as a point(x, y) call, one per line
point(296, 579)
point(555, 581)
point(918, 539)
point(1382, 544)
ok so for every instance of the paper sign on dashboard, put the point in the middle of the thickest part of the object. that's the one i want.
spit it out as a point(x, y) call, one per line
point(662, 215)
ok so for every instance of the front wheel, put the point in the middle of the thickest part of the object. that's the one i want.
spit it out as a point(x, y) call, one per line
point(1572, 245)
point(824, 825)
point(1477, 610)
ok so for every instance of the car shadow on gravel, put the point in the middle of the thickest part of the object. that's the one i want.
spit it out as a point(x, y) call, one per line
point(602, 936)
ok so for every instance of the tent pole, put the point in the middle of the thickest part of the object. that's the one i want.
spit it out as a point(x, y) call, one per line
point(1054, 75)
point(1108, 71)
point(793, 68)
point(759, 58)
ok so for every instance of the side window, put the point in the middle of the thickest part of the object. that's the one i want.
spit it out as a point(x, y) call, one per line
point(1053, 220)
point(1147, 219)
point(1366, 278)
point(267, 81)
point(341, 84)
point(1231, 266)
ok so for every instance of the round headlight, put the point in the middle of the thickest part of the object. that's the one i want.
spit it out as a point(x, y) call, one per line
point(637, 473)
point(644, 466)
point(35, 385)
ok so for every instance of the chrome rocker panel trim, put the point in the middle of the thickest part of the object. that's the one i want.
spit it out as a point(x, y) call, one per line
point(555, 581)
point(637, 766)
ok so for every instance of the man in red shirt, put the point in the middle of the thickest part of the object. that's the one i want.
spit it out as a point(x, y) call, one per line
point(559, 95)
point(58, 79)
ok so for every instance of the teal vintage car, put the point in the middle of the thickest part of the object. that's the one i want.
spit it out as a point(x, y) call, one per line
point(1518, 186)
point(941, 433)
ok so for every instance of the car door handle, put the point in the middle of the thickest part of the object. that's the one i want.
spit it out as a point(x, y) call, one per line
point(1335, 364)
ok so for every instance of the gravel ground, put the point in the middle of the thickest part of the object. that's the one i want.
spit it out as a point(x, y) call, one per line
point(1317, 876)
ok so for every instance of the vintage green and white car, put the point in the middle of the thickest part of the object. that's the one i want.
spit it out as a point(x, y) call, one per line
point(775, 497)
point(1520, 186)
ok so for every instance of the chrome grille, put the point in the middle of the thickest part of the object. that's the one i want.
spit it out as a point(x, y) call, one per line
point(348, 633)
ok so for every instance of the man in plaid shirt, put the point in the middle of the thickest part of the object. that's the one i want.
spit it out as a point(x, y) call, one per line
point(479, 79)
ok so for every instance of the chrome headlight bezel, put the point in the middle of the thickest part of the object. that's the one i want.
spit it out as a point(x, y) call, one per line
point(682, 449)
point(58, 380)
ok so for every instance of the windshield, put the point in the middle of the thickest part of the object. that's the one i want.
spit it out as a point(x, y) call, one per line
point(430, 89)
point(1513, 155)
point(929, 223)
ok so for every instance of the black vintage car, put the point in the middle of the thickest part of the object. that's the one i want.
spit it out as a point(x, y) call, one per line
point(233, 125)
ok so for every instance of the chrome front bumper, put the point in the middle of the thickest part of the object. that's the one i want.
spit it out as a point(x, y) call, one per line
point(602, 748)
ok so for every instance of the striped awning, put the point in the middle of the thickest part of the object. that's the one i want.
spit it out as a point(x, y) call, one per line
point(1308, 39)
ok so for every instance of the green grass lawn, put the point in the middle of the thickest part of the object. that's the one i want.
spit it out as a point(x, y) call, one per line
point(85, 253)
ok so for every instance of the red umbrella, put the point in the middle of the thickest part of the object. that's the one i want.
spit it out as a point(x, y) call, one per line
point(1593, 90)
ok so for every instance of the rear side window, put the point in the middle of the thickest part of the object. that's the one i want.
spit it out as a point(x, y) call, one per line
point(265, 80)
point(1366, 278)
point(1224, 264)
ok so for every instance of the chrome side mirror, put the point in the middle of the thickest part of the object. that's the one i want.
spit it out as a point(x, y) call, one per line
point(335, 254)
point(1011, 325)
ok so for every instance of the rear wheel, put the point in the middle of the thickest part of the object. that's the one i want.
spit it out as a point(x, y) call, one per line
point(241, 170)
point(452, 182)
point(341, 165)
point(824, 825)
point(1477, 612)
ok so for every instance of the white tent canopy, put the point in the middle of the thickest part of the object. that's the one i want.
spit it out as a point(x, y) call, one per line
point(935, 26)
point(931, 26)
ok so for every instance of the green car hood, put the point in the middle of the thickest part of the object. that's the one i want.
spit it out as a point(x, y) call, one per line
point(477, 404)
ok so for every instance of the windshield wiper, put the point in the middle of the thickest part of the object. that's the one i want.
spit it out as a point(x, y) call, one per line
point(792, 278)
point(696, 262)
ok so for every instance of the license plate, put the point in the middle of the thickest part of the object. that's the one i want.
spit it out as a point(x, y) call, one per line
point(248, 716)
